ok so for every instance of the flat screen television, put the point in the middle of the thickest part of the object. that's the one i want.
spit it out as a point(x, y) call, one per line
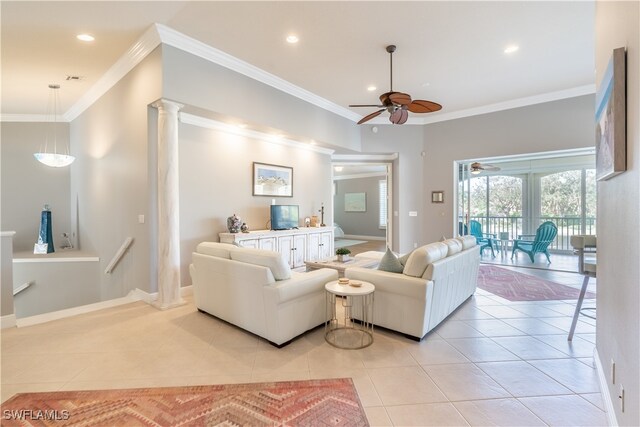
point(284, 217)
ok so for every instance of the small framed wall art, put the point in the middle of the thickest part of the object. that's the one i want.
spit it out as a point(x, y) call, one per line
point(437, 197)
point(355, 202)
point(272, 180)
point(611, 138)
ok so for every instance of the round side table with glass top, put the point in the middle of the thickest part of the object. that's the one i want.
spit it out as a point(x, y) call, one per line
point(349, 322)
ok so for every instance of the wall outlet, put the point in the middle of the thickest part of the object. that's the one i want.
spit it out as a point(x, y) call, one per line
point(415, 245)
point(613, 371)
point(621, 396)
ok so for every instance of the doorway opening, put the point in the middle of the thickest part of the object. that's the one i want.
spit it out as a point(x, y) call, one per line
point(362, 202)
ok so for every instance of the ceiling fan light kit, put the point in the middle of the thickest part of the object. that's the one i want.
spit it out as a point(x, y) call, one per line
point(397, 104)
point(54, 159)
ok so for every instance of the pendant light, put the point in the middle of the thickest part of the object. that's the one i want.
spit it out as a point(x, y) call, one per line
point(54, 159)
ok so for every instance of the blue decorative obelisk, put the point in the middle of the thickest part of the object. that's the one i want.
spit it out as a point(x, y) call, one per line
point(46, 231)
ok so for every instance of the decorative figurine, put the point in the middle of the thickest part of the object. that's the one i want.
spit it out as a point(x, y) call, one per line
point(244, 227)
point(322, 215)
point(45, 235)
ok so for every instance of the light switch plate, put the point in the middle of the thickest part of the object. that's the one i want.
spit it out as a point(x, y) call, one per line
point(413, 213)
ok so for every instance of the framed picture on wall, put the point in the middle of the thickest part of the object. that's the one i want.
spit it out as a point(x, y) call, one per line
point(611, 138)
point(355, 202)
point(437, 197)
point(272, 180)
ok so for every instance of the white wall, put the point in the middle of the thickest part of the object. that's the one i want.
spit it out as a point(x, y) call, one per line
point(216, 173)
point(27, 184)
point(544, 127)
point(618, 323)
point(109, 179)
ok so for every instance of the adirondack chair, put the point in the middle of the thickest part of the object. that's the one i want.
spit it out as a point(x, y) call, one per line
point(545, 235)
point(485, 240)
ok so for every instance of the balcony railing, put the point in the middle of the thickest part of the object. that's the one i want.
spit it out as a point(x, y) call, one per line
point(516, 225)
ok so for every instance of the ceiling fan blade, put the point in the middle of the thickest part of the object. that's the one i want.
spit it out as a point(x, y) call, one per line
point(422, 106)
point(490, 168)
point(370, 116)
point(400, 98)
point(366, 105)
point(399, 116)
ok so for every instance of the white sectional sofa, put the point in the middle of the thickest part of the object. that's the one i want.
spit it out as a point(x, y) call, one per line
point(436, 279)
point(256, 290)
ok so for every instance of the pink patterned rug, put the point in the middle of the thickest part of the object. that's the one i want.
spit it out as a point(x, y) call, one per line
point(332, 402)
point(516, 286)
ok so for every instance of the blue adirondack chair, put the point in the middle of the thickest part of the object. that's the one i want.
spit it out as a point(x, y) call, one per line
point(545, 235)
point(485, 240)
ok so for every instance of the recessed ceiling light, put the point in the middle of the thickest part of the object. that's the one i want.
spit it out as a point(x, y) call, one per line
point(371, 88)
point(426, 84)
point(511, 48)
point(85, 37)
point(292, 38)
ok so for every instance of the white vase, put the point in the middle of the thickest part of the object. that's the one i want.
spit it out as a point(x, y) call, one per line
point(343, 258)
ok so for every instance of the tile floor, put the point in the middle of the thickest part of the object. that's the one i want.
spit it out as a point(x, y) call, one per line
point(493, 362)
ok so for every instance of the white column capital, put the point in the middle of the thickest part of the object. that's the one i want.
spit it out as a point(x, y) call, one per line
point(168, 105)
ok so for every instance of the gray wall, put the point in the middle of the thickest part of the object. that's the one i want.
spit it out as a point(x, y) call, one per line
point(109, 179)
point(618, 323)
point(6, 274)
point(407, 184)
point(196, 82)
point(216, 172)
point(544, 127)
point(27, 184)
point(359, 223)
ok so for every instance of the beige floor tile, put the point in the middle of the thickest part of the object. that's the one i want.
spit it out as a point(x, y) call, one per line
point(464, 382)
point(377, 416)
point(405, 385)
point(37, 368)
point(276, 361)
point(437, 352)
point(456, 329)
point(366, 390)
point(482, 350)
point(263, 377)
point(587, 361)
point(536, 310)
point(521, 379)
point(483, 300)
point(497, 412)
point(426, 414)
point(564, 323)
point(494, 328)
point(328, 358)
point(9, 390)
point(569, 410)
point(571, 373)
point(533, 326)
point(577, 347)
point(501, 312)
point(529, 348)
point(587, 337)
point(387, 358)
point(468, 312)
point(113, 366)
point(594, 398)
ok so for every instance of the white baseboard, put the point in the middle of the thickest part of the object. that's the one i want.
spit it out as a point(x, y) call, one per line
point(359, 237)
point(8, 321)
point(133, 296)
point(604, 390)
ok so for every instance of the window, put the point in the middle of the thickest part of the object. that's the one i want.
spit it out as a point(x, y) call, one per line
point(382, 203)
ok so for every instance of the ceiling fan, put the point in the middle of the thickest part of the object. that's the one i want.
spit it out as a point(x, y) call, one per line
point(397, 103)
point(477, 168)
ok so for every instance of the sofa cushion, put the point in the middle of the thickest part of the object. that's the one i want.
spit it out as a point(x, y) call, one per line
point(270, 259)
point(220, 250)
point(404, 258)
point(467, 242)
point(389, 262)
point(453, 246)
point(423, 256)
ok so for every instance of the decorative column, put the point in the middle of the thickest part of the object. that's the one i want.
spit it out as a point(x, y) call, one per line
point(168, 261)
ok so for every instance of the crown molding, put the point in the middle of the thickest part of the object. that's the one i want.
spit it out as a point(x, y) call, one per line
point(132, 57)
point(206, 123)
point(364, 157)
point(181, 41)
point(359, 176)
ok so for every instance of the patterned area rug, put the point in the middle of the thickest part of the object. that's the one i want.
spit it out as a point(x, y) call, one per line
point(516, 286)
point(331, 402)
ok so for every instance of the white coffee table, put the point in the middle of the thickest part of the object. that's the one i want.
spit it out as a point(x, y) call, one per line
point(341, 330)
point(341, 266)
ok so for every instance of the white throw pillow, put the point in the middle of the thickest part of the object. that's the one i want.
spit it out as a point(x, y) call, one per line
point(270, 259)
point(467, 242)
point(454, 246)
point(423, 256)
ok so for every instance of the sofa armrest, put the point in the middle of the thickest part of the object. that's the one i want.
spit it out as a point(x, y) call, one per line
point(397, 283)
point(301, 284)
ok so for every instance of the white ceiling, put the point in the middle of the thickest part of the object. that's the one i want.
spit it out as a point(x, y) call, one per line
point(448, 52)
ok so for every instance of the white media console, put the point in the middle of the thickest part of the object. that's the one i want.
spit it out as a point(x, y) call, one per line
point(297, 246)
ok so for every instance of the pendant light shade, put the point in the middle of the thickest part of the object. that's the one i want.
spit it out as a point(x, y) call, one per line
point(54, 159)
